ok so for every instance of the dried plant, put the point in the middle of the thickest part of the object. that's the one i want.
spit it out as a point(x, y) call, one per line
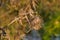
point(26, 20)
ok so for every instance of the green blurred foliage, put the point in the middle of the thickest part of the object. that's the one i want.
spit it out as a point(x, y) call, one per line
point(50, 11)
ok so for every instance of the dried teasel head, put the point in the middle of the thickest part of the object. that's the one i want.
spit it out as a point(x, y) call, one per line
point(30, 19)
point(37, 23)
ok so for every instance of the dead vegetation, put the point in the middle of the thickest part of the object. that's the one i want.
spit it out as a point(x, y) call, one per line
point(20, 18)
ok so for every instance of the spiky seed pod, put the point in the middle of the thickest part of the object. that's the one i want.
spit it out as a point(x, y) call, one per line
point(37, 23)
point(30, 19)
